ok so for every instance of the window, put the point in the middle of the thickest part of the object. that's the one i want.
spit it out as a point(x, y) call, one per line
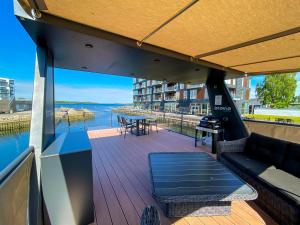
point(185, 95)
point(205, 94)
point(193, 94)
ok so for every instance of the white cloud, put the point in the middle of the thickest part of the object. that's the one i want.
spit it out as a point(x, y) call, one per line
point(24, 89)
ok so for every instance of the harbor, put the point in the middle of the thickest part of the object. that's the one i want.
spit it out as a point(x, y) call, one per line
point(20, 121)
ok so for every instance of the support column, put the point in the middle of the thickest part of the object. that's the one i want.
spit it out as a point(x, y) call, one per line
point(42, 129)
point(223, 107)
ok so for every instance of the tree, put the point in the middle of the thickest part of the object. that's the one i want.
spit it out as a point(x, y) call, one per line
point(297, 99)
point(277, 90)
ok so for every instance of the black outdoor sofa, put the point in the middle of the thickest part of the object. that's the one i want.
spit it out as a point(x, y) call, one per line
point(272, 167)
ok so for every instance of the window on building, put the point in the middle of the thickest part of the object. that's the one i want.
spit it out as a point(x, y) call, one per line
point(193, 94)
point(185, 94)
point(205, 94)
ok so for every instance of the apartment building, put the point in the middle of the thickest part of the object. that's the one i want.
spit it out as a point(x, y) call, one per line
point(7, 95)
point(187, 98)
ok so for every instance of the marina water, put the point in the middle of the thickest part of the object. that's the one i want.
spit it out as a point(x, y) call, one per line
point(12, 145)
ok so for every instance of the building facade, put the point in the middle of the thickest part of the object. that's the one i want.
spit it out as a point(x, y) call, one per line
point(187, 98)
point(7, 95)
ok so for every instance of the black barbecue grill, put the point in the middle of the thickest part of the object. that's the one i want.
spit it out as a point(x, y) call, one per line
point(209, 125)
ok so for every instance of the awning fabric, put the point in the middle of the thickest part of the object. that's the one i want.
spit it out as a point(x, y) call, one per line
point(250, 36)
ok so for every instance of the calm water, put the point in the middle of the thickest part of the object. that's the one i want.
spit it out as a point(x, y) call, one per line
point(12, 145)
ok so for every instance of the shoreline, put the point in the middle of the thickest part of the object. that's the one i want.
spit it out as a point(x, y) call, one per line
point(20, 121)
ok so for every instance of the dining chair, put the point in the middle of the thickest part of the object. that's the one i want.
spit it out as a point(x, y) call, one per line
point(152, 122)
point(145, 127)
point(119, 128)
point(126, 126)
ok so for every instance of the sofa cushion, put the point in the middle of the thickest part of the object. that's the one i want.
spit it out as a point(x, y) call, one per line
point(247, 164)
point(266, 149)
point(291, 163)
point(283, 183)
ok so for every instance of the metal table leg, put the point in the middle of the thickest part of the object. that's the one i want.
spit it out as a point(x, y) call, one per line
point(196, 135)
point(215, 138)
point(137, 127)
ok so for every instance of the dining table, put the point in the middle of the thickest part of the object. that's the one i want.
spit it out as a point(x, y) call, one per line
point(138, 120)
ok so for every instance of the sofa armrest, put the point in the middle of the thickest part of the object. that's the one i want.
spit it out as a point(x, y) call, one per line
point(231, 146)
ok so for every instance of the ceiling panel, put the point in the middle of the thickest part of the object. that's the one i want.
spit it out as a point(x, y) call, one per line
point(108, 57)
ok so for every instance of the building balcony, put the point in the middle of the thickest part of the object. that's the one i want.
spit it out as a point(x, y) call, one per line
point(170, 98)
point(137, 80)
point(137, 100)
point(157, 99)
point(191, 86)
point(170, 88)
point(155, 82)
point(157, 90)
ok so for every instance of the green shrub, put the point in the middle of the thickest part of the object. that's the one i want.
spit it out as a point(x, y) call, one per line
point(295, 119)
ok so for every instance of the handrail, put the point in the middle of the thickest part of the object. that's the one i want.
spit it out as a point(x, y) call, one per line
point(7, 170)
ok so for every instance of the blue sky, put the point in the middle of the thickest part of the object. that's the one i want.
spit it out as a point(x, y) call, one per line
point(17, 55)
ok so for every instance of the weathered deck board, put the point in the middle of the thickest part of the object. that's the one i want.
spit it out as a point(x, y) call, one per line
point(122, 185)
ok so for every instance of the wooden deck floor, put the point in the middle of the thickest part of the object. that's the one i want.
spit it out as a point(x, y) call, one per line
point(122, 183)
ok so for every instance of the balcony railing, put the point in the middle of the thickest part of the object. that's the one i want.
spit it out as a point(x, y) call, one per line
point(156, 82)
point(190, 86)
point(157, 90)
point(171, 88)
point(170, 98)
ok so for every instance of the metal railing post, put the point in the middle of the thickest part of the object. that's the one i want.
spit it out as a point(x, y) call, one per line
point(68, 119)
point(84, 127)
point(111, 119)
point(181, 123)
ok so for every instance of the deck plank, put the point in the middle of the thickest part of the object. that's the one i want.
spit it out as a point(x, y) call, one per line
point(122, 186)
point(101, 208)
point(114, 206)
point(125, 202)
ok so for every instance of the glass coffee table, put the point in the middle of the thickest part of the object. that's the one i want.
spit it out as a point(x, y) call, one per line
point(195, 184)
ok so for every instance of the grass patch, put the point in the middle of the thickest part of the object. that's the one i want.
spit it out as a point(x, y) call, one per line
point(295, 119)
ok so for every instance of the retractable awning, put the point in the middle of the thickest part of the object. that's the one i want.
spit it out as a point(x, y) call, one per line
point(178, 40)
